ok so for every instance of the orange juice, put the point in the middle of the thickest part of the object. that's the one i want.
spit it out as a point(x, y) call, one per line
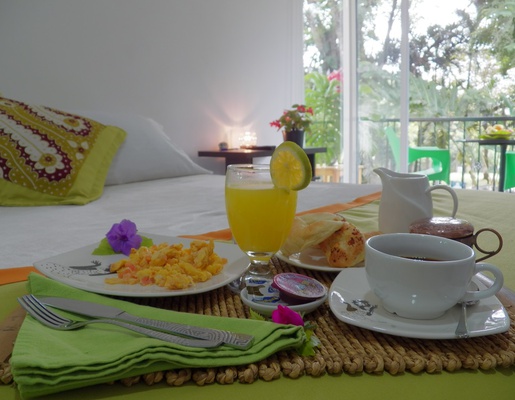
point(260, 215)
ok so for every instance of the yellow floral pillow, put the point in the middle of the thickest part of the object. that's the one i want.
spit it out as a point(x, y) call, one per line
point(52, 157)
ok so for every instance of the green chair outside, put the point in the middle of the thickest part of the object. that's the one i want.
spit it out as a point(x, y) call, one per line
point(509, 170)
point(440, 158)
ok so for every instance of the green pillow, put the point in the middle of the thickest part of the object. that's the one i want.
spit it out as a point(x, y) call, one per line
point(50, 157)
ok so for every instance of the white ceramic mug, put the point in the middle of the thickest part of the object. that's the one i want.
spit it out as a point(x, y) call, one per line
point(422, 276)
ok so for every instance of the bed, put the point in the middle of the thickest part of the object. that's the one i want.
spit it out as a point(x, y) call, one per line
point(148, 180)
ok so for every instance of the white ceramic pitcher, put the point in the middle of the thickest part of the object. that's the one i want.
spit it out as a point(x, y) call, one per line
point(406, 198)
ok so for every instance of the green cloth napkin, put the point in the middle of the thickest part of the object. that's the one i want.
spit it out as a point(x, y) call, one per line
point(46, 361)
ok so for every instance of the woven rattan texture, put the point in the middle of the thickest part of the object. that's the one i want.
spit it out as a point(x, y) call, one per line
point(344, 348)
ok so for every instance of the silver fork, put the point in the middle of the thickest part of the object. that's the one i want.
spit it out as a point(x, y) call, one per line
point(55, 321)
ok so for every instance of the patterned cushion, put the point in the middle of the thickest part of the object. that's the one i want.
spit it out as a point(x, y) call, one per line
point(51, 157)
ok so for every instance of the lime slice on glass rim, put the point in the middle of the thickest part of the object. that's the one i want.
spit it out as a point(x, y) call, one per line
point(290, 167)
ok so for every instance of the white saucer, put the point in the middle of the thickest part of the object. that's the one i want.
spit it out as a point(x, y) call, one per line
point(310, 258)
point(352, 301)
point(266, 309)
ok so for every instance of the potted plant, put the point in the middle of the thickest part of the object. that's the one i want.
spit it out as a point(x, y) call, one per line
point(294, 123)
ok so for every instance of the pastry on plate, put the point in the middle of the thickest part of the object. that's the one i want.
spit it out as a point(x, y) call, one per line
point(345, 247)
point(309, 230)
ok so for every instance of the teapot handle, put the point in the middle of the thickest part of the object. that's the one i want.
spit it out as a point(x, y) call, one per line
point(453, 195)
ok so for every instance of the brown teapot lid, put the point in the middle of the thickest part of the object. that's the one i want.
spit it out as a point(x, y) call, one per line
point(448, 227)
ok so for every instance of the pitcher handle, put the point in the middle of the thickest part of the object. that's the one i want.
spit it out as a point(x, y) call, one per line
point(453, 195)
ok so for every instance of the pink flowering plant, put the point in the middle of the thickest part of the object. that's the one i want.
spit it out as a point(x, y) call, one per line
point(287, 316)
point(121, 238)
point(336, 78)
point(298, 118)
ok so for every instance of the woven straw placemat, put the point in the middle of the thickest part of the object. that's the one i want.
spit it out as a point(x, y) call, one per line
point(344, 348)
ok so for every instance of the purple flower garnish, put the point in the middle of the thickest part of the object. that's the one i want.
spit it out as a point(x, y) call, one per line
point(285, 315)
point(123, 237)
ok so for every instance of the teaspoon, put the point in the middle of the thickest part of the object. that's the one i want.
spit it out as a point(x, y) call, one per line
point(462, 331)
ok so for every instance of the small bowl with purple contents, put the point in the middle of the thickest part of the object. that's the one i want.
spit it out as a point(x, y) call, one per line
point(298, 289)
point(299, 292)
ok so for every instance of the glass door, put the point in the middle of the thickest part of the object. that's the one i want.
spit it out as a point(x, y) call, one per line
point(432, 71)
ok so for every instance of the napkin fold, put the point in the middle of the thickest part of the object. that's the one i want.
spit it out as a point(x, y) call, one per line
point(46, 361)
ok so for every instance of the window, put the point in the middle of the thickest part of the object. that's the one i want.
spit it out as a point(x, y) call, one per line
point(460, 77)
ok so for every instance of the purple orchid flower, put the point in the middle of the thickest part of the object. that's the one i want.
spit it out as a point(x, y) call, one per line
point(123, 237)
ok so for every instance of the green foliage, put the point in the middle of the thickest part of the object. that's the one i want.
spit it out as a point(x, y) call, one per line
point(308, 347)
point(105, 249)
point(257, 316)
point(498, 32)
point(323, 95)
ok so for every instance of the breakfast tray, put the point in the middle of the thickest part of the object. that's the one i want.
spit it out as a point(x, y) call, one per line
point(344, 348)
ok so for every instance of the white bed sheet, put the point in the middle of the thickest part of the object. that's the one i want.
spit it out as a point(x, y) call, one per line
point(175, 206)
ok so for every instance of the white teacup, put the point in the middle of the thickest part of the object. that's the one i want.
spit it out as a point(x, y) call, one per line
point(422, 276)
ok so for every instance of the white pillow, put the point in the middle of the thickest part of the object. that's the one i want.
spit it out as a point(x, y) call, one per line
point(147, 153)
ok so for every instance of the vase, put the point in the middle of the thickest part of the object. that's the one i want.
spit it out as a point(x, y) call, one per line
point(296, 136)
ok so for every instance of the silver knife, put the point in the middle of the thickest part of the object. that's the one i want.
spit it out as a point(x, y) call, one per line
point(96, 310)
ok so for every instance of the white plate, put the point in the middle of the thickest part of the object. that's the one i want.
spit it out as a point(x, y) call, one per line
point(352, 301)
point(311, 258)
point(266, 309)
point(82, 270)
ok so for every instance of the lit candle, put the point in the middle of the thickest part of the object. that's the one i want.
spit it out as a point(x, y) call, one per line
point(248, 139)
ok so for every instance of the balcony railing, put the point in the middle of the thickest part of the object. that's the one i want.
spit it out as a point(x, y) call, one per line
point(472, 166)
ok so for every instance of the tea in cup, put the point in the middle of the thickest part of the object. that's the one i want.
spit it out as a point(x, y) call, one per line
point(457, 229)
point(422, 276)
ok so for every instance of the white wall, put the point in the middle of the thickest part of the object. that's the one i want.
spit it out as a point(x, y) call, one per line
point(196, 66)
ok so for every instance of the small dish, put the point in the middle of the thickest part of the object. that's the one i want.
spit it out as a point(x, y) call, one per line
point(311, 258)
point(298, 289)
point(496, 136)
point(266, 306)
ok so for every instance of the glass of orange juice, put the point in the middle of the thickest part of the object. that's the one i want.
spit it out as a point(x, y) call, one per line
point(260, 217)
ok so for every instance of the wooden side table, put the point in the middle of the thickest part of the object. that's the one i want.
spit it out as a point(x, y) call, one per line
point(246, 156)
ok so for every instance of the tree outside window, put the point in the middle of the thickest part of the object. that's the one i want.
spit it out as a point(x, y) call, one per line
point(461, 66)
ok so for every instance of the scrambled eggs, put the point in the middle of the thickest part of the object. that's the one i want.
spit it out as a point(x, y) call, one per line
point(168, 265)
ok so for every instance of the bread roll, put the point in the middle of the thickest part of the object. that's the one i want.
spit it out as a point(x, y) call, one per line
point(309, 230)
point(345, 247)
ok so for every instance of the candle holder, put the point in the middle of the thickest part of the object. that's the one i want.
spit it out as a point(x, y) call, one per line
point(248, 140)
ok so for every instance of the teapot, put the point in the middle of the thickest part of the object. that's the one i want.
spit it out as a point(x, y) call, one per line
point(406, 198)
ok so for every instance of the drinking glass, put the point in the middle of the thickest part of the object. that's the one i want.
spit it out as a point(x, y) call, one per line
point(260, 217)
